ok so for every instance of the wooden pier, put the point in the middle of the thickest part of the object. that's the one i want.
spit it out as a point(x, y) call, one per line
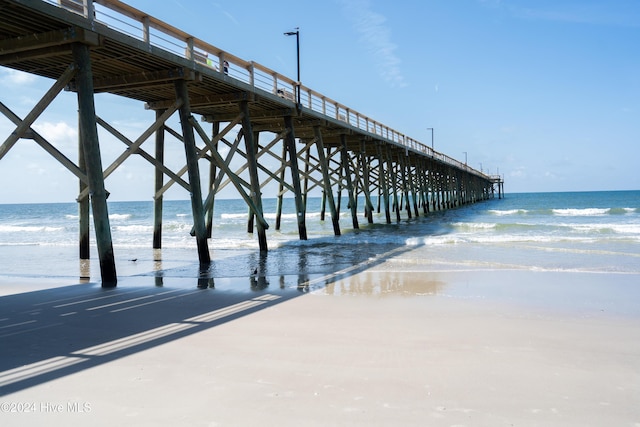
point(94, 46)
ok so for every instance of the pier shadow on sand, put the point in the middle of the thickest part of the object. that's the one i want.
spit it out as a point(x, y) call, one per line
point(51, 333)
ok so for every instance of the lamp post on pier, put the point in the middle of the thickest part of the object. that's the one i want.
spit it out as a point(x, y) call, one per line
point(431, 129)
point(297, 34)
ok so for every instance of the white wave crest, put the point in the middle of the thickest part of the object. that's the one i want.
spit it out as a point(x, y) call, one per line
point(28, 229)
point(119, 217)
point(234, 216)
point(508, 212)
point(581, 212)
point(474, 225)
point(134, 228)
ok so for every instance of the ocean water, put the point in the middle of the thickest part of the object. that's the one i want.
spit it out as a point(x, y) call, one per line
point(596, 232)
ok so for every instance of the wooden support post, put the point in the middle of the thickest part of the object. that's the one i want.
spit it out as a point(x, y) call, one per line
point(213, 171)
point(402, 162)
point(251, 216)
point(443, 187)
point(432, 187)
point(159, 182)
point(83, 203)
point(326, 178)
point(347, 173)
point(446, 189)
point(453, 192)
point(193, 171)
point(454, 188)
point(424, 190)
point(412, 184)
point(323, 205)
point(305, 191)
point(450, 188)
point(382, 176)
point(368, 206)
point(356, 173)
point(394, 185)
point(280, 196)
point(435, 189)
point(91, 148)
point(256, 194)
point(290, 143)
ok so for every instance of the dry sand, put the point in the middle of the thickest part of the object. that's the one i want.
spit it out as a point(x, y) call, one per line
point(379, 349)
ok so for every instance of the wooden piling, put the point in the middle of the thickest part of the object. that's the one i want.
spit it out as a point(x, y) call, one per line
point(368, 206)
point(290, 143)
point(326, 179)
point(394, 184)
point(191, 154)
point(83, 203)
point(256, 194)
point(213, 171)
point(402, 164)
point(280, 195)
point(158, 183)
point(384, 187)
point(412, 186)
point(251, 215)
point(93, 162)
point(347, 172)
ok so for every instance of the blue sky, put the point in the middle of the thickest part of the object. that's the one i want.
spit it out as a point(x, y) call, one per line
point(545, 92)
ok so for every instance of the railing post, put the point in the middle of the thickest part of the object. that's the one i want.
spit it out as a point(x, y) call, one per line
point(146, 31)
point(89, 11)
point(221, 63)
point(190, 53)
point(252, 80)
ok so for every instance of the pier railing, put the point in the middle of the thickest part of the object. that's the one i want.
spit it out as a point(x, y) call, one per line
point(135, 23)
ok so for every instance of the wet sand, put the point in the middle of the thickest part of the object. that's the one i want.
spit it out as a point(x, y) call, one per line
point(490, 348)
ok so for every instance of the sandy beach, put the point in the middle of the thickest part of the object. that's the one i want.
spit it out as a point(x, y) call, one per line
point(376, 348)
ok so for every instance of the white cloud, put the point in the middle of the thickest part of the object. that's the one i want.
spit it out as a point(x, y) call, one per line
point(59, 134)
point(14, 77)
point(376, 36)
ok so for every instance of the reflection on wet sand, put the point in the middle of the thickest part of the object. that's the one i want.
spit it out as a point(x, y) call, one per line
point(85, 270)
point(381, 283)
point(306, 270)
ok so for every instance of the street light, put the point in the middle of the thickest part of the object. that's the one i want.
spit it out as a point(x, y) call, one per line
point(465, 158)
point(431, 129)
point(297, 34)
